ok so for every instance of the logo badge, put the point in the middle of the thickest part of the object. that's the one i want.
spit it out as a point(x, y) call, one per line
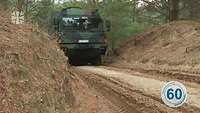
point(17, 17)
point(174, 94)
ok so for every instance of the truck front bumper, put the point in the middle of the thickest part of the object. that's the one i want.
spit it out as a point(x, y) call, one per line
point(84, 50)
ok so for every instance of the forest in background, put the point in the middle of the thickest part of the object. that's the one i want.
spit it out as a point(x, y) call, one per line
point(127, 17)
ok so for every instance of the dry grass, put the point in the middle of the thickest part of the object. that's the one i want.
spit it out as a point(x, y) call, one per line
point(34, 75)
point(171, 45)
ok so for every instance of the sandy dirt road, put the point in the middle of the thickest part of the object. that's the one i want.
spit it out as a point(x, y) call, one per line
point(129, 92)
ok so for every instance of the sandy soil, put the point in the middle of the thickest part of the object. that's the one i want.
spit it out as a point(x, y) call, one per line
point(172, 46)
point(134, 93)
point(34, 73)
point(88, 100)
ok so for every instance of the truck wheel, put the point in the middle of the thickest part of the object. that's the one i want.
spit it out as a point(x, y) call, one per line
point(97, 61)
point(77, 62)
point(71, 61)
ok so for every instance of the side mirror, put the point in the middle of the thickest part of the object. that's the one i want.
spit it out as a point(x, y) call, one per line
point(108, 25)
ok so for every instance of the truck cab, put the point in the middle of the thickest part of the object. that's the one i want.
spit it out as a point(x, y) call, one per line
point(82, 35)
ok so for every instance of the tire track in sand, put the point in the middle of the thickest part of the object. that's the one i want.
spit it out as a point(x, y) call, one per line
point(146, 85)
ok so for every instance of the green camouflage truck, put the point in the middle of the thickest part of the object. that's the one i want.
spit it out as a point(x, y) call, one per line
point(82, 35)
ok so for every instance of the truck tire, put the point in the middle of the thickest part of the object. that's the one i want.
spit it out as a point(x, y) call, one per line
point(97, 61)
point(77, 62)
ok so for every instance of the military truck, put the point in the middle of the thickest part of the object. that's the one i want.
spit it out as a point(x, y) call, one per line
point(82, 35)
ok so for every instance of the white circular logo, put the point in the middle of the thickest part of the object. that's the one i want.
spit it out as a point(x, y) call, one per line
point(174, 94)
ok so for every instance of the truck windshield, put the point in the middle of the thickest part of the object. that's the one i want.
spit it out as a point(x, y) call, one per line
point(82, 23)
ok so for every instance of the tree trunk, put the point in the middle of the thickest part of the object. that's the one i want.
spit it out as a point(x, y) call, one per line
point(173, 10)
point(134, 5)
